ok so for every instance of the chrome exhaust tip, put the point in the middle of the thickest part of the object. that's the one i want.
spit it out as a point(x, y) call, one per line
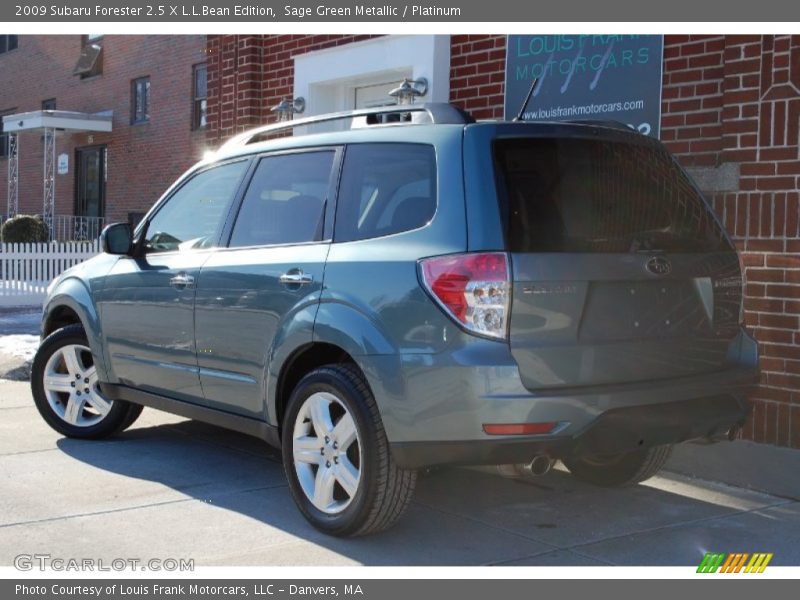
point(540, 465)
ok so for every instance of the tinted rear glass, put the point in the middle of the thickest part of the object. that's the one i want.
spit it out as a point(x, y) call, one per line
point(590, 195)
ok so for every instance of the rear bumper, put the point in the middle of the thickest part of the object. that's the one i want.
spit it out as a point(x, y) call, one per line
point(615, 431)
point(434, 407)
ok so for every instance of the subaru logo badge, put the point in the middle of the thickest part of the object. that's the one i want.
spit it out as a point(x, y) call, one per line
point(658, 265)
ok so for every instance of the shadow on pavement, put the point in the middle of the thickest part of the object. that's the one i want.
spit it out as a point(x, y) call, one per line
point(459, 516)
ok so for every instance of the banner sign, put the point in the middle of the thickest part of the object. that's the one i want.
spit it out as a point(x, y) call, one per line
point(586, 77)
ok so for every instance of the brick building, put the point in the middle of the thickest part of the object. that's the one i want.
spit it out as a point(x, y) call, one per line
point(146, 84)
point(730, 112)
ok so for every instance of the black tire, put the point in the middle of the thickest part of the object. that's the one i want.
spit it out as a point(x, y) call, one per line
point(384, 491)
point(119, 417)
point(133, 414)
point(619, 470)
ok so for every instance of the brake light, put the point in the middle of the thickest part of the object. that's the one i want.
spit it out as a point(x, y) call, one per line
point(475, 289)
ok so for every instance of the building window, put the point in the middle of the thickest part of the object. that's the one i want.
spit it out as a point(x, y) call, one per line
point(3, 134)
point(200, 78)
point(8, 43)
point(90, 62)
point(140, 100)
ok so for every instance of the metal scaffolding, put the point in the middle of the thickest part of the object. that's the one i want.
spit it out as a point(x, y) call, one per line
point(49, 193)
point(13, 175)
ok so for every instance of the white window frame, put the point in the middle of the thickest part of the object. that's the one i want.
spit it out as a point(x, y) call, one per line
point(327, 78)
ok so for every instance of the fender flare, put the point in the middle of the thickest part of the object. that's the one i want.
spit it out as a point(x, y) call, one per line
point(346, 326)
point(296, 331)
point(72, 293)
point(333, 323)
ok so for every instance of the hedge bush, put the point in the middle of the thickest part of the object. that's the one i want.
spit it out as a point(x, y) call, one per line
point(24, 229)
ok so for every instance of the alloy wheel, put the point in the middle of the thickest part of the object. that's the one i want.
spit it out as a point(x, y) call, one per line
point(327, 453)
point(71, 386)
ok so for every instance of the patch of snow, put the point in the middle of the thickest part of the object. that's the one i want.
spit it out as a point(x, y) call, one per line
point(19, 345)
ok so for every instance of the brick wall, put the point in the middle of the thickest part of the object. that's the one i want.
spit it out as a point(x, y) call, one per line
point(477, 74)
point(249, 74)
point(241, 97)
point(142, 159)
point(732, 110)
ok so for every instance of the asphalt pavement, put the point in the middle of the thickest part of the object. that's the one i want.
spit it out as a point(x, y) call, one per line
point(173, 488)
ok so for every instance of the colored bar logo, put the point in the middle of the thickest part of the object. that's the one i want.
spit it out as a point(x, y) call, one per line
point(736, 562)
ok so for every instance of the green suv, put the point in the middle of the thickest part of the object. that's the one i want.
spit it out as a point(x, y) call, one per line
point(415, 289)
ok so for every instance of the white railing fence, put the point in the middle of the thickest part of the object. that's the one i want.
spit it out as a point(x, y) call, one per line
point(27, 269)
point(75, 228)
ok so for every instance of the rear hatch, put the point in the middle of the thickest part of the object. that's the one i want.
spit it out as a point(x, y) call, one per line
point(621, 273)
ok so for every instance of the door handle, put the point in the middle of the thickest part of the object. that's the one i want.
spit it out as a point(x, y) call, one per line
point(296, 277)
point(182, 281)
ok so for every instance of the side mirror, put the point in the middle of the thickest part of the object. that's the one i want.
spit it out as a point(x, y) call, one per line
point(117, 238)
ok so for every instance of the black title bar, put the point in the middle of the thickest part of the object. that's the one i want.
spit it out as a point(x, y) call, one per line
point(333, 11)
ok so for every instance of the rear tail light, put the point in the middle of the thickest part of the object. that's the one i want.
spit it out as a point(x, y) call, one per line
point(474, 289)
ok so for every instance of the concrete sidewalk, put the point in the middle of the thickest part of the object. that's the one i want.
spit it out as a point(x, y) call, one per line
point(743, 464)
point(175, 488)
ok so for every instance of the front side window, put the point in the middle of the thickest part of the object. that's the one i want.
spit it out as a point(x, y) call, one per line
point(285, 201)
point(385, 189)
point(140, 100)
point(193, 216)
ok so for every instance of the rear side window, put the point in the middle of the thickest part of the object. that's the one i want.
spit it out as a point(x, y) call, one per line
point(385, 189)
point(285, 200)
point(590, 195)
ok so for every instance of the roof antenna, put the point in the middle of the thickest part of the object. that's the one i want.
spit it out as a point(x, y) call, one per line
point(527, 99)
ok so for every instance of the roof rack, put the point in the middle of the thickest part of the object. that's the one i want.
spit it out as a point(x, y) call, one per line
point(430, 112)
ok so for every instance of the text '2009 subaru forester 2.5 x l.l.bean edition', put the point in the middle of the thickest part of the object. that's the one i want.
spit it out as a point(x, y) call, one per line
point(419, 289)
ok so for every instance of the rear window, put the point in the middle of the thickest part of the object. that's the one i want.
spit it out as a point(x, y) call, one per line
point(385, 189)
point(590, 195)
